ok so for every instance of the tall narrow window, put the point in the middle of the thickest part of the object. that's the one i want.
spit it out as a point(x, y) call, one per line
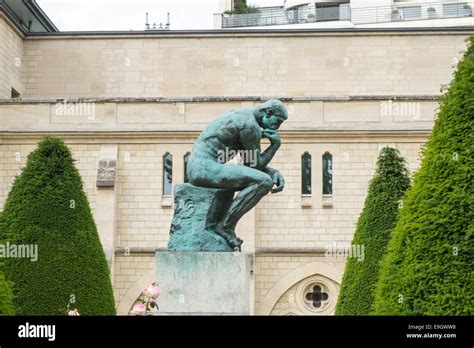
point(327, 174)
point(186, 157)
point(306, 174)
point(167, 174)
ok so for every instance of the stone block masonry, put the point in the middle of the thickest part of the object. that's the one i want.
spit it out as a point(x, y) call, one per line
point(203, 282)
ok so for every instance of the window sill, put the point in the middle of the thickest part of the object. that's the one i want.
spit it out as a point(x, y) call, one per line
point(306, 201)
point(327, 201)
point(166, 201)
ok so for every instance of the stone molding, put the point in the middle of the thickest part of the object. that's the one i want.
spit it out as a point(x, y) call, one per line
point(293, 277)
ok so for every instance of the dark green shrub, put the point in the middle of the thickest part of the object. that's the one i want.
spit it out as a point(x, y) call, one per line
point(47, 207)
point(429, 266)
point(6, 296)
point(376, 222)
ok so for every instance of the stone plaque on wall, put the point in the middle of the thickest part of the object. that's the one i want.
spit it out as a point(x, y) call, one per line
point(106, 172)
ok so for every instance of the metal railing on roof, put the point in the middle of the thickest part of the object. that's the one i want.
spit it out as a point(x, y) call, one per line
point(280, 16)
point(398, 12)
point(405, 12)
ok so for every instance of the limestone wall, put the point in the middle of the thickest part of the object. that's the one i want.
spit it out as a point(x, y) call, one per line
point(279, 278)
point(367, 113)
point(143, 214)
point(11, 59)
point(281, 219)
point(226, 64)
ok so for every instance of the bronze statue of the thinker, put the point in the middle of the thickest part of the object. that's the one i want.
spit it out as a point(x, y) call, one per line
point(206, 211)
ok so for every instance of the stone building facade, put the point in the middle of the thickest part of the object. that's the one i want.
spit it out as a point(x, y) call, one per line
point(135, 98)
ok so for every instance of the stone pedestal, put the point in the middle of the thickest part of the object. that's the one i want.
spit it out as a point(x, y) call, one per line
point(197, 212)
point(212, 283)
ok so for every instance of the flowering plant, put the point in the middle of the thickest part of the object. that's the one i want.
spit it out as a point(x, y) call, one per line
point(147, 301)
point(72, 311)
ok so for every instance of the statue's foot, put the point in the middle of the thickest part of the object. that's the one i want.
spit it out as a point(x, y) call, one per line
point(236, 244)
point(230, 237)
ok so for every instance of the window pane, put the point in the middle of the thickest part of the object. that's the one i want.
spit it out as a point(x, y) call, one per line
point(186, 156)
point(167, 174)
point(454, 10)
point(344, 12)
point(327, 13)
point(327, 174)
point(306, 174)
point(410, 12)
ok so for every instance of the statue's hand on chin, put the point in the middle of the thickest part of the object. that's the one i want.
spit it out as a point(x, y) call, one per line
point(271, 135)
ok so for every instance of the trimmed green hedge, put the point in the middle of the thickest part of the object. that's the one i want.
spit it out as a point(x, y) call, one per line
point(376, 222)
point(47, 207)
point(429, 267)
point(6, 295)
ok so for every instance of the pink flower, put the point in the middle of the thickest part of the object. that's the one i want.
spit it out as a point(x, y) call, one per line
point(139, 309)
point(152, 291)
point(73, 312)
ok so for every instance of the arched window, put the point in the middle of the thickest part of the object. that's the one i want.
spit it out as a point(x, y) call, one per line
point(327, 174)
point(167, 174)
point(186, 157)
point(306, 174)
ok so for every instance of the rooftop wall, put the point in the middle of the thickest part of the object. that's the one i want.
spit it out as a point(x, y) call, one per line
point(233, 64)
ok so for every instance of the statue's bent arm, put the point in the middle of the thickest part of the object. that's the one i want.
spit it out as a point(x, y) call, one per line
point(277, 178)
point(250, 139)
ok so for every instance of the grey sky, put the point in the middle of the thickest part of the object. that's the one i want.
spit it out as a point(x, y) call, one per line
point(71, 15)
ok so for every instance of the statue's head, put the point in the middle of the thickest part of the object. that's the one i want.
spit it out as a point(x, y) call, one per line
point(271, 114)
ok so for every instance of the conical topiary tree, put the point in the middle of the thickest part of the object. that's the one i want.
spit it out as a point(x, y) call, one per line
point(47, 207)
point(376, 222)
point(6, 296)
point(428, 269)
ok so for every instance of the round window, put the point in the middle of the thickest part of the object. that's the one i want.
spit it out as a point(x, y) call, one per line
point(317, 295)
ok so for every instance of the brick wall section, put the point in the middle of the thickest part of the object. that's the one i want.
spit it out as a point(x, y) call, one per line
point(141, 220)
point(13, 160)
point(282, 222)
point(219, 65)
point(128, 269)
point(284, 302)
point(269, 269)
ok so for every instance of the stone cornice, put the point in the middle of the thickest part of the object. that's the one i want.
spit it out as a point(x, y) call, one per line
point(153, 250)
point(180, 137)
point(219, 33)
point(11, 22)
point(218, 99)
